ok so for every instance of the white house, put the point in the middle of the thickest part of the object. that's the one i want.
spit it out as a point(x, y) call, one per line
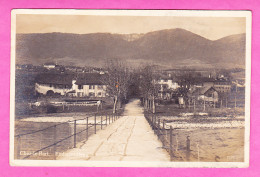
point(170, 83)
point(81, 85)
point(166, 86)
point(49, 65)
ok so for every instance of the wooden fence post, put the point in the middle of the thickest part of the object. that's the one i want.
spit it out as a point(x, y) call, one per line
point(18, 147)
point(106, 119)
point(150, 118)
point(154, 124)
point(152, 121)
point(163, 132)
point(158, 132)
point(54, 139)
point(171, 154)
point(188, 148)
point(87, 128)
point(198, 149)
point(177, 143)
point(95, 123)
point(101, 121)
point(166, 134)
point(194, 106)
point(204, 104)
point(226, 102)
point(75, 131)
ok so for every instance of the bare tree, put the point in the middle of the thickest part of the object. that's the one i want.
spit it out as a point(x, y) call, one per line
point(186, 80)
point(117, 81)
point(148, 86)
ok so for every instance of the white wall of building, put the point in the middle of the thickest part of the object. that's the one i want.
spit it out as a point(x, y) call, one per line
point(44, 88)
point(87, 90)
point(171, 85)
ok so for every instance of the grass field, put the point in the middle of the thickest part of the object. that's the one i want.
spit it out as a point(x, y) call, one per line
point(216, 134)
point(210, 145)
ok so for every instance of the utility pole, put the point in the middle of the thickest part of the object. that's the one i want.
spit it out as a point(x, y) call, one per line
point(226, 102)
point(194, 106)
point(154, 110)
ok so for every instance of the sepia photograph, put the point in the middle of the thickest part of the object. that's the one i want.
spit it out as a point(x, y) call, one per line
point(130, 88)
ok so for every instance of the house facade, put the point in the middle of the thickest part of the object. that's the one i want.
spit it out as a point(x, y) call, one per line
point(167, 86)
point(49, 65)
point(80, 85)
point(222, 85)
point(205, 93)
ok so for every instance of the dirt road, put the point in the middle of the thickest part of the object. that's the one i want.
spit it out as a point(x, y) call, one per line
point(130, 138)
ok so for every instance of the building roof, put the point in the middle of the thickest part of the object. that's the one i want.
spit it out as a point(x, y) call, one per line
point(202, 90)
point(72, 91)
point(206, 79)
point(66, 79)
point(45, 64)
point(90, 79)
point(55, 78)
point(165, 77)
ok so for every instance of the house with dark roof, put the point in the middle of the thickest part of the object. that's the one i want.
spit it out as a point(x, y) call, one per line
point(77, 85)
point(90, 84)
point(205, 93)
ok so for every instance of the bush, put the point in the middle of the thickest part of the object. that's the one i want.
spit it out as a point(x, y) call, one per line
point(51, 109)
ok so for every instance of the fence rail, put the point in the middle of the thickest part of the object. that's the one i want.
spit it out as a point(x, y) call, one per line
point(108, 119)
point(168, 138)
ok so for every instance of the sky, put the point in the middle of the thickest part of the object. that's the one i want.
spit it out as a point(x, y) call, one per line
point(212, 28)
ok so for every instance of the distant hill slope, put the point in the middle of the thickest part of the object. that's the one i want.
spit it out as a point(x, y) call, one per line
point(230, 49)
point(174, 47)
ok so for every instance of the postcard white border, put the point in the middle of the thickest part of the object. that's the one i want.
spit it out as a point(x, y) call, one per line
point(180, 13)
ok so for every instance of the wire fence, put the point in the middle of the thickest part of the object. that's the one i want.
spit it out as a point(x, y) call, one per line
point(179, 147)
point(45, 143)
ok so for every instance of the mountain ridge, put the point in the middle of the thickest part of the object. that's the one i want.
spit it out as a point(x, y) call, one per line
point(165, 47)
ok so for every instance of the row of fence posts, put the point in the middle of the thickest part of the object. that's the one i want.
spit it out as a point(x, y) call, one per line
point(109, 118)
point(113, 118)
point(165, 137)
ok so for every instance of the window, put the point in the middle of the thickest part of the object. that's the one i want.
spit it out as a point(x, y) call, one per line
point(91, 86)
